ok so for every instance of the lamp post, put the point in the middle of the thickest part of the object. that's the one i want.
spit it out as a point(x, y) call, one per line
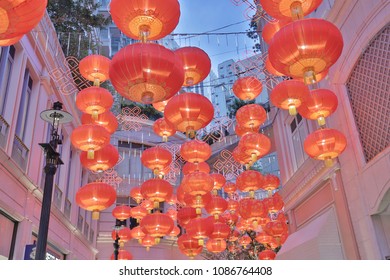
point(55, 117)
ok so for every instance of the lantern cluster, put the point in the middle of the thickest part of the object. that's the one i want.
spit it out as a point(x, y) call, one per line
point(304, 49)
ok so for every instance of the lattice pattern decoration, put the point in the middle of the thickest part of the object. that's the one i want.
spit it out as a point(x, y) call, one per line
point(177, 162)
point(111, 177)
point(368, 91)
point(131, 119)
point(227, 166)
point(216, 131)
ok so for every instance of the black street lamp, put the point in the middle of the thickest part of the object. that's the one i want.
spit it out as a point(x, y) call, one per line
point(55, 117)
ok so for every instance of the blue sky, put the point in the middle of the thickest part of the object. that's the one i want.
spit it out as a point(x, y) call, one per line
point(198, 16)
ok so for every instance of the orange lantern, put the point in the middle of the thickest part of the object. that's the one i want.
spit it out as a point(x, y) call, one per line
point(267, 255)
point(17, 18)
point(122, 255)
point(195, 151)
point(145, 19)
point(251, 116)
point(157, 190)
point(200, 228)
point(94, 101)
point(160, 106)
point(156, 158)
point(185, 215)
point(146, 73)
point(107, 120)
point(241, 131)
point(163, 128)
point(271, 69)
point(124, 235)
point(172, 200)
point(138, 212)
point(95, 197)
point(245, 240)
point(190, 167)
point(305, 48)
point(104, 159)
point(189, 246)
point(95, 68)
point(252, 210)
point(219, 181)
point(242, 225)
point(274, 203)
point(196, 65)
point(276, 228)
point(175, 232)
point(157, 225)
point(221, 231)
point(171, 212)
point(197, 183)
point(197, 201)
point(232, 205)
point(255, 145)
point(325, 144)
point(230, 218)
point(249, 181)
point(148, 241)
point(138, 233)
point(264, 238)
point(241, 157)
point(11, 41)
point(229, 188)
point(289, 9)
point(216, 245)
point(270, 183)
point(247, 88)
point(216, 206)
point(148, 204)
point(121, 212)
point(90, 138)
point(135, 193)
point(271, 28)
point(289, 95)
point(318, 105)
point(189, 112)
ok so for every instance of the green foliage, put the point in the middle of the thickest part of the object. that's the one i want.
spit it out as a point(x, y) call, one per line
point(252, 33)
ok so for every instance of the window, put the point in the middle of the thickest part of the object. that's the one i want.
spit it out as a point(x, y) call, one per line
point(6, 61)
point(8, 229)
point(299, 130)
point(24, 105)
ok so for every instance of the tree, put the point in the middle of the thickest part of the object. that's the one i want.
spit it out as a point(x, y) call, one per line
point(253, 34)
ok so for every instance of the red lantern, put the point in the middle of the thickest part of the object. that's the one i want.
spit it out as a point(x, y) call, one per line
point(251, 116)
point(160, 106)
point(185, 215)
point(274, 203)
point(234, 235)
point(189, 112)
point(135, 193)
point(171, 212)
point(216, 206)
point(138, 212)
point(121, 212)
point(175, 232)
point(107, 120)
point(289, 9)
point(255, 145)
point(325, 144)
point(252, 210)
point(148, 241)
point(271, 69)
point(157, 190)
point(305, 48)
point(289, 95)
point(197, 183)
point(241, 157)
point(95, 68)
point(241, 131)
point(247, 88)
point(318, 105)
point(221, 231)
point(11, 41)
point(147, 204)
point(172, 200)
point(195, 151)
point(267, 255)
point(95, 197)
point(197, 201)
point(90, 138)
point(245, 240)
point(276, 228)
point(249, 181)
point(17, 18)
point(219, 181)
point(156, 158)
point(271, 28)
point(122, 255)
point(216, 245)
point(232, 205)
point(189, 246)
point(138, 233)
point(196, 65)
point(157, 225)
point(200, 228)
point(124, 235)
point(229, 188)
point(145, 19)
point(104, 159)
point(94, 101)
point(146, 73)
point(270, 183)
point(190, 167)
point(264, 238)
point(230, 218)
point(163, 128)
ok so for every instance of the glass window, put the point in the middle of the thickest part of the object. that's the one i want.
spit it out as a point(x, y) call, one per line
point(7, 228)
point(24, 105)
point(6, 61)
point(299, 131)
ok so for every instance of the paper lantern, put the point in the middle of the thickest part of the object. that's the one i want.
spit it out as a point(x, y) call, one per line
point(175, 232)
point(270, 183)
point(197, 183)
point(160, 106)
point(139, 212)
point(11, 41)
point(195, 151)
point(189, 112)
point(252, 210)
point(135, 193)
point(247, 88)
point(305, 48)
point(216, 206)
point(104, 159)
point(271, 69)
point(274, 204)
point(157, 190)
point(146, 73)
point(276, 228)
point(244, 241)
point(157, 225)
point(232, 205)
point(230, 218)
point(95, 68)
point(138, 233)
point(197, 201)
point(95, 197)
point(107, 120)
point(318, 105)
point(145, 19)
point(325, 144)
point(148, 241)
point(156, 159)
point(164, 129)
point(241, 131)
point(196, 65)
point(263, 238)
point(251, 116)
point(124, 235)
point(216, 245)
point(122, 255)
point(255, 145)
point(189, 246)
point(171, 212)
point(267, 255)
point(249, 181)
point(289, 95)
point(200, 228)
point(219, 181)
point(94, 101)
point(90, 138)
point(190, 167)
point(17, 18)
point(229, 187)
point(121, 212)
point(241, 157)
point(221, 231)
point(289, 9)
point(185, 215)
point(271, 28)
